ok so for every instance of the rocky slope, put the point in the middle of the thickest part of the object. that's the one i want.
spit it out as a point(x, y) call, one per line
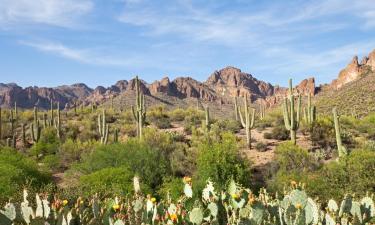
point(354, 70)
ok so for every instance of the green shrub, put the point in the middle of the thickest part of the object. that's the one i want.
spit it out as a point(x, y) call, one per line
point(172, 187)
point(17, 172)
point(261, 147)
point(48, 144)
point(220, 161)
point(229, 125)
point(149, 164)
point(109, 181)
point(293, 164)
point(352, 174)
point(177, 115)
point(279, 133)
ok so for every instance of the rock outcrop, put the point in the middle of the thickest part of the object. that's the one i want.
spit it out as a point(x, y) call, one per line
point(354, 70)
point(231, 81)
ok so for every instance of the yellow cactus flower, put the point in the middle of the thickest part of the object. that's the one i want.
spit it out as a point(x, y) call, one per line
point(293, 183)
point(65, 202)
point(153, 200)
point(235, 196)
point(116, 207)
point(187, 179)
point(173, 217)
point(298, 206)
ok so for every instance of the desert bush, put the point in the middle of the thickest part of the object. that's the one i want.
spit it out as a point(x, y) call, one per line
point(220, 161)
point(17, 172)
point(172, 187)
point(261, 147)
point(229, 125)
point(148, 163)
point(109, 182)
point(352, 174)
point(159, 118)
point(48, 144)
point(177, 115)
point(70, 151)
point(278, 133)
point(293, 163)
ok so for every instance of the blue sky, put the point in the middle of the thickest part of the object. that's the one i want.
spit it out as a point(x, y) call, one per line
point(54, 42)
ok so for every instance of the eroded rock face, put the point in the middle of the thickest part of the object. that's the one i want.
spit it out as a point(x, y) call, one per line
point(232, 82)
point(371, 60)
point(354, 70)
point(186, 87)
point(163, 86)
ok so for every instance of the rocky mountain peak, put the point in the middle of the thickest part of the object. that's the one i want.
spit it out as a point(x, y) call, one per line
point(354, 70)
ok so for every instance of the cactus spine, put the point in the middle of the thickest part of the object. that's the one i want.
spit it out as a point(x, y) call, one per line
point(103, 128)
point(247, 121)
point(341, 149)
point(35, 128)
point(140, 112)
point(291, 116)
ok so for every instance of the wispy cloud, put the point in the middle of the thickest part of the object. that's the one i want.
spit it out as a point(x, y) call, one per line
point(63, 13)
point(86, 56)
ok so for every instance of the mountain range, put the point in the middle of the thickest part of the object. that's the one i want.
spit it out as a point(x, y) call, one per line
point(221, 86)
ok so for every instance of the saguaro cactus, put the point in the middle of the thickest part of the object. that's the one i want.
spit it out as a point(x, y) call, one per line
point(52, 119)
point(207, 116)
point(341, 149)
point(35, 127)
point(58, 121)
point(291, 116)
point(11, 121)
point(115, 135)
point(235, 108)
point(15, 110)
point(262, 112)
point(140, 112)
point(247, 121)
point(309, 112)
point(103, 128)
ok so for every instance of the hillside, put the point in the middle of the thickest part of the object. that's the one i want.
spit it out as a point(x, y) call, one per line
point(354, 98)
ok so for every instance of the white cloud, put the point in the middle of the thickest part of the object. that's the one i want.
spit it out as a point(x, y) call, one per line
point(85, 56)
point(64, 13)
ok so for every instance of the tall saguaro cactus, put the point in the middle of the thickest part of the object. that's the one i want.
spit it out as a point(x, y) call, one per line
point(52, 119)
point(58, 121)
point(35, 127)
point(139, 112)
point(207, 116)
point(340, 148)
point(235, 108)
point(103, 128)
point(262, 112)
point(309, 112)
point(291, 116)
point(247, 121)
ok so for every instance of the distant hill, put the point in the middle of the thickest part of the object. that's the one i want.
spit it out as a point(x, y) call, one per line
point(354, 98)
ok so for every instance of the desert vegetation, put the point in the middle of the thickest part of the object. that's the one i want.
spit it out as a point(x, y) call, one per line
point(102, 164)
